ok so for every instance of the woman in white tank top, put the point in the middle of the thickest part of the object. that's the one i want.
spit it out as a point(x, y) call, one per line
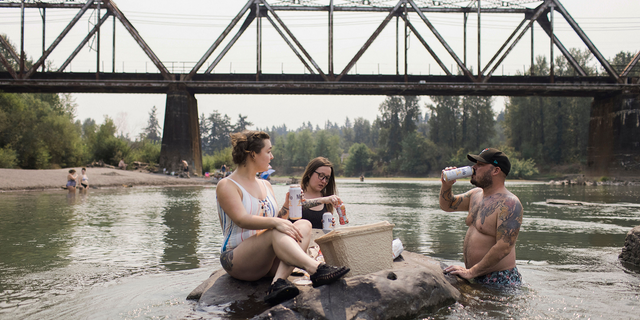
point(257, 241)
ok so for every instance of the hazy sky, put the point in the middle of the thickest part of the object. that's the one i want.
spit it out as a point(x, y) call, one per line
point(180, 33)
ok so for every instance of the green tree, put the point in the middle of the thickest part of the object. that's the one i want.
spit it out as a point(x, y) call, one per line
point(621, 61)
point(550, 130)
point(359, 160)
point(362, 131)
point(304, 148)
point(444, 129)
point(153, 131)
point(478, 122)
point(419, 155)
point(108, 147)
point(398, 117)
point(39, 128)
point(214, 131)
point(242, 123)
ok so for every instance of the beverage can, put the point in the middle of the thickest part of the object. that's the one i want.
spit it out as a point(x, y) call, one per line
point(457, 173)
point(327, 222)
point(295, 203)
point(342, 214)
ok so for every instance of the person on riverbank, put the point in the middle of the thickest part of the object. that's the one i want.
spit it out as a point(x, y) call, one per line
point(72, 177)
point(122, 165)
point(185, 169)
point(257, 243)
point(84, 180)
point(320, 193)
point(494, 220)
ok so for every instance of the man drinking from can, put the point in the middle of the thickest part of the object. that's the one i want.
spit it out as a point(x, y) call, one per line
point(494, 220)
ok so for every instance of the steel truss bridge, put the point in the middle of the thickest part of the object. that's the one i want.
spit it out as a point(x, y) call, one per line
point(324, 80)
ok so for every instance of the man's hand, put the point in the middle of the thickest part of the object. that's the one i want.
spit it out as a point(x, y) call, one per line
point(445, 183)
point(460, 271)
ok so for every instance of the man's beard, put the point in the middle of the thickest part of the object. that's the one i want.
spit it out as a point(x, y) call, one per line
point(484, 182)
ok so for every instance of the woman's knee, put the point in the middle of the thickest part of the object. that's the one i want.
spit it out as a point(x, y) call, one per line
point(304, 226)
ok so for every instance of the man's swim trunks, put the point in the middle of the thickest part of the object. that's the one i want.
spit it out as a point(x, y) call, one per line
point(510, 277)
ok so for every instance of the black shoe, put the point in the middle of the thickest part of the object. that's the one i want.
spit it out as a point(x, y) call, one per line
point(281, 291)
point(327, 274)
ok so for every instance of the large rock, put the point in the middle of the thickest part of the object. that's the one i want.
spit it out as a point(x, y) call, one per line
point(414, 286)
point(631, 251)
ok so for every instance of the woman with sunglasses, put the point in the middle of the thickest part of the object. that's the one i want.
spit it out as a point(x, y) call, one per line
point(319, 187)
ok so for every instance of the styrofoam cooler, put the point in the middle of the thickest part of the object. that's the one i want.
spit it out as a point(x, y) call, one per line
point(364, 249)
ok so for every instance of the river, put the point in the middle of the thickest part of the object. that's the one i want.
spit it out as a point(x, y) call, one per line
point(135, 253)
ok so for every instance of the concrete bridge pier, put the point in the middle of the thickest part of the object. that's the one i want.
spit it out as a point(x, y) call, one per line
point(614, 137)
point(181, 133)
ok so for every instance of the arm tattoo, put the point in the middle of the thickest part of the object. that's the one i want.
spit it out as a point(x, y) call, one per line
point(511, 217)
point(454, 201)
point(284, 211)
point(310, 204)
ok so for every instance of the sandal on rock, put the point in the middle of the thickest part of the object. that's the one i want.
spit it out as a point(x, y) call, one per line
point(281, 291)
point(326, 274)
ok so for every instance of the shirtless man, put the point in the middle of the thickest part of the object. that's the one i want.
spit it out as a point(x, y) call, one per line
point(494, 220)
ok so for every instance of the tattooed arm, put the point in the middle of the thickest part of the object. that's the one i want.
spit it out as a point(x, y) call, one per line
point(450, 202)
point(310, 203)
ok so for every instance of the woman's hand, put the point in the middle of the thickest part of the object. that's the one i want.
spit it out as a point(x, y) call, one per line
point(333, 199)
point(287, 227)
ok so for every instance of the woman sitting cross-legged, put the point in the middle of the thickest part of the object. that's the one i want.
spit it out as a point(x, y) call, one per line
point(257, 241)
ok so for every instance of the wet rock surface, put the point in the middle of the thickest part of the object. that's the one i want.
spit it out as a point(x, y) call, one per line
point(415, 285)
point(631, 251)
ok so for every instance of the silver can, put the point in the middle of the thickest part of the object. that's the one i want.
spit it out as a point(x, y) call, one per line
point(295, 202)
point(327, 222)
point(457, 173)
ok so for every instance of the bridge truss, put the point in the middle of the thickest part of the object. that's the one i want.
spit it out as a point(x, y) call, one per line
point(457, 80)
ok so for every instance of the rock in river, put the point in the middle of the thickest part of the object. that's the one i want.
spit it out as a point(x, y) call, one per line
point(631, 251)
point(413, 286)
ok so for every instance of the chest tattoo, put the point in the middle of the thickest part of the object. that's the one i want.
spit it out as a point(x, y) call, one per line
point(509, 214)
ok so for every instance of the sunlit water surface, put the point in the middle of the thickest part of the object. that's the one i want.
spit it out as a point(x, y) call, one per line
point(136, 253)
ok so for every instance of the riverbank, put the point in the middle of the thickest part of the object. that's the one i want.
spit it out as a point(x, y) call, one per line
point(56, 179)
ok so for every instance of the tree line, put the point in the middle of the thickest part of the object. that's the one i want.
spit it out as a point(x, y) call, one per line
point(39, 131)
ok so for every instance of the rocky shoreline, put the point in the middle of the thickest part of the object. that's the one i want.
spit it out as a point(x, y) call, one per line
point(582, 180)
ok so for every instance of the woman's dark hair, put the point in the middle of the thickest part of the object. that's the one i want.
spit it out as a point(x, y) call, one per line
point(243, 143)
point(330, 188)
point(72, 171)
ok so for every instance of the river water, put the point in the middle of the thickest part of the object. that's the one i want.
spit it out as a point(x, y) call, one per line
point(135, 253)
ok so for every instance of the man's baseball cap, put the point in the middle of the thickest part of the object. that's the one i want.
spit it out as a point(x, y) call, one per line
point(492, 156)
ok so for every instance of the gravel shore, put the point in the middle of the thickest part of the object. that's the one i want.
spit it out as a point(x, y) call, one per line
point(18, 179)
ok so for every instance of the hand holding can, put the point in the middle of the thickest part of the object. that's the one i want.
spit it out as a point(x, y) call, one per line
point(457, 173)
point(342, 214)
point(295, 202)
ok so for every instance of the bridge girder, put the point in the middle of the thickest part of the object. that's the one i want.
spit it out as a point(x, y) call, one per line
point(323, 80)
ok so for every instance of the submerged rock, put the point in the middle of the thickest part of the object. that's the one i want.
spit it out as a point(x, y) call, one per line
point(631, 251)
point(414, 285)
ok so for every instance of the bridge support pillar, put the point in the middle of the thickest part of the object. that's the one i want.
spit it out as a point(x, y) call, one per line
point(614, 136)
point(181, 133)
